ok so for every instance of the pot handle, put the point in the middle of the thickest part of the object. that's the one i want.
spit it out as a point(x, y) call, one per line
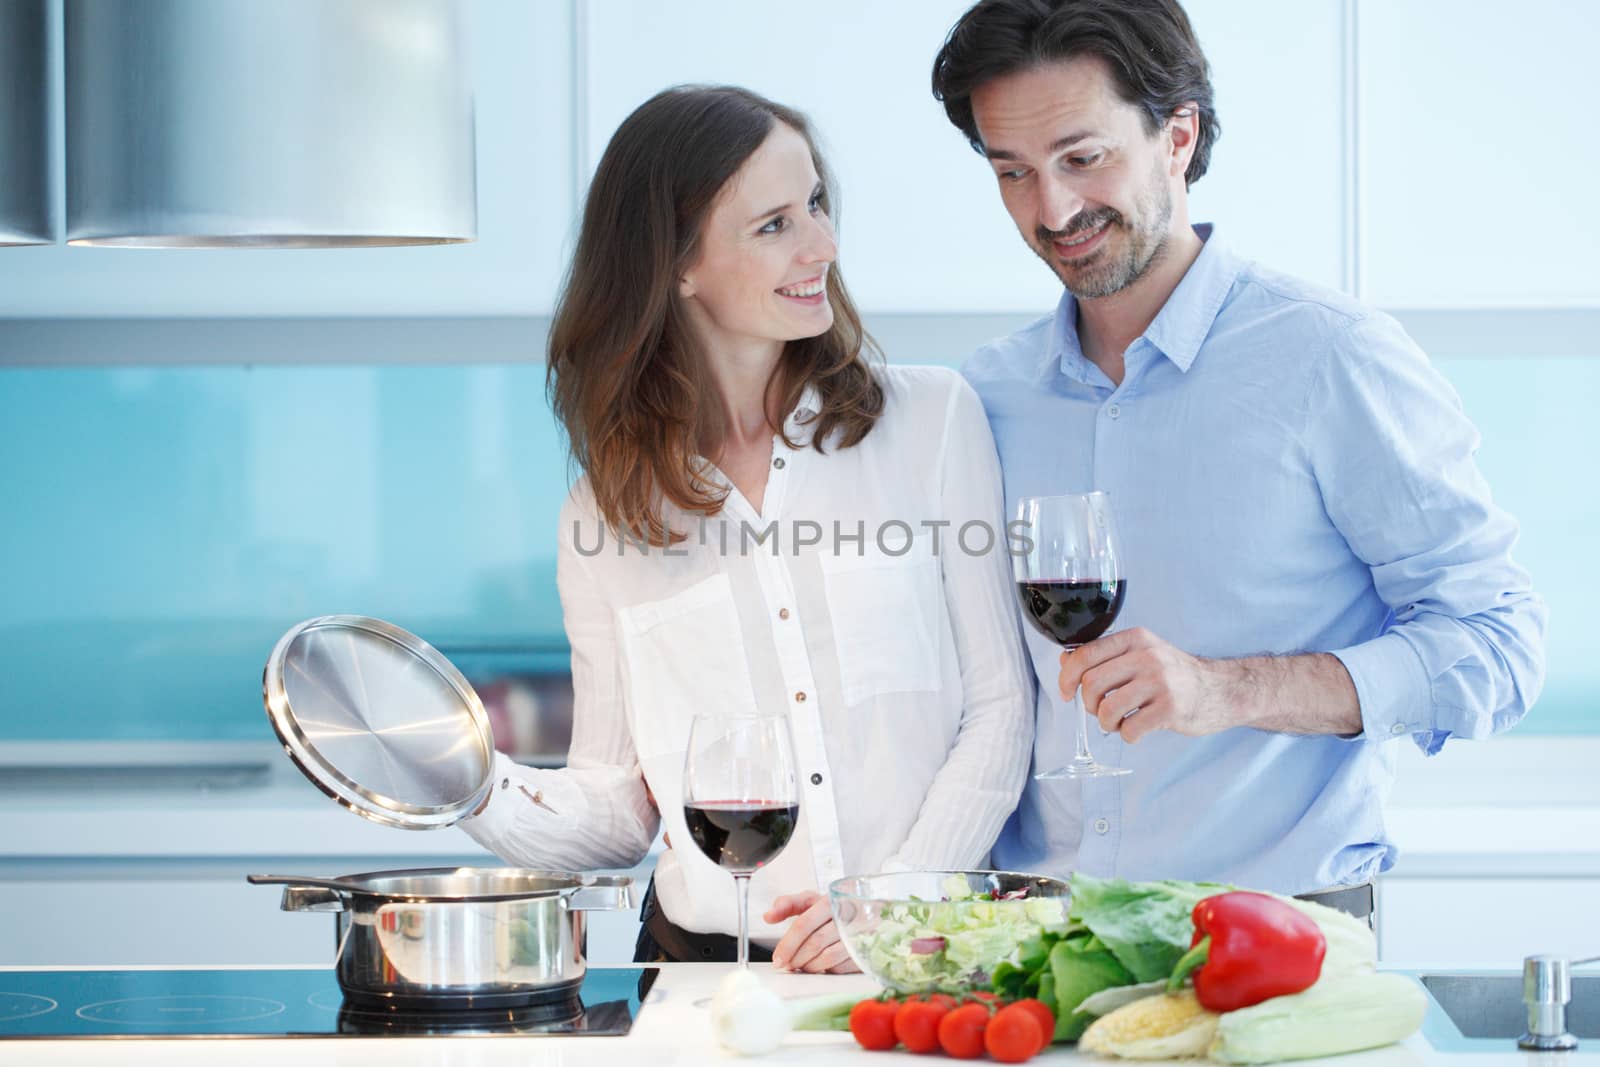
point(304, 894)
point(601, 893)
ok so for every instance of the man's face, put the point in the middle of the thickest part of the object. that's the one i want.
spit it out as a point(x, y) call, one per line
point(1090, 190)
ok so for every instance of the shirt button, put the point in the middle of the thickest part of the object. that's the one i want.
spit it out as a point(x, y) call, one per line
point(1115, 411)
point(800, 698)
point(1398, 728)
point(778, 463)
point(783, 613)
point(1101, 826)
point(816, 779)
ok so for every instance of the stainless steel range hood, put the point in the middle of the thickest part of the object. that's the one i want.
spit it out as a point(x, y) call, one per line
point(26, 120)
point(267, 123)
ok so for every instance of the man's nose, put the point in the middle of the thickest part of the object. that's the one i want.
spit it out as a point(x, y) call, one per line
point(1059, 202)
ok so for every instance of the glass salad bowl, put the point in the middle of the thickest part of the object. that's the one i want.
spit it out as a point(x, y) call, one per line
point(920, 931)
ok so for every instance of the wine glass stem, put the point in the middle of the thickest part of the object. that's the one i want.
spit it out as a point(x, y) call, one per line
point(742, 881)
point(1083, 725)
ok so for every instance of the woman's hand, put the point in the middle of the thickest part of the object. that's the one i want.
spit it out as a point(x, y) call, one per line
point(812, 941)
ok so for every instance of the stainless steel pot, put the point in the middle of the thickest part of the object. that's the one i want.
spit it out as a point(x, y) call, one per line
point(456, 938)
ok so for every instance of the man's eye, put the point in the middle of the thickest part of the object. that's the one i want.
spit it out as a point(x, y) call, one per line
point(1084, 161)
point(777, 225)
point(1012, 175)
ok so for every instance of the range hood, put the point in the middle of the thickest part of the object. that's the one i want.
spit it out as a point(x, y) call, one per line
point(267, 124)
point(26, 120)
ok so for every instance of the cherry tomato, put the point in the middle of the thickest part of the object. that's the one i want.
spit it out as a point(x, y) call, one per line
point(1047, 1019)
point(961, 1032)
point(1013, 1034)
point(916, 1024)
point(872, 1023)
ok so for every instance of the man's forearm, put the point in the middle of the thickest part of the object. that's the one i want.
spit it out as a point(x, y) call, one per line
point(1310, 693)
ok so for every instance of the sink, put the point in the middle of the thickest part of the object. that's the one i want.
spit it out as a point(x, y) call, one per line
point(1490, 1005)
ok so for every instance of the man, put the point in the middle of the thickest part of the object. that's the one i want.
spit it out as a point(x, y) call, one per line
point(1316, 568)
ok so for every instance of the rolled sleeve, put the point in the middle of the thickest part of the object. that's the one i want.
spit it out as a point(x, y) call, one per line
point(1463, 652)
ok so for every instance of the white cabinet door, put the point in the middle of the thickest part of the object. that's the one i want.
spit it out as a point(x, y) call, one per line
point(520, 57)
point(1275, 186)
point(1484, 923)
point(923, 229)
point(1477, 153)
point(921, 226)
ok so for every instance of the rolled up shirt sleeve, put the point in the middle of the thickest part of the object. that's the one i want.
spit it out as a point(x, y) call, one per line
point(977, 788)
point(1392, 451)
point(595, 812)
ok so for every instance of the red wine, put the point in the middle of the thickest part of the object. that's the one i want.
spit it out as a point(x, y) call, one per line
point(1072, 612)
point(741, 835)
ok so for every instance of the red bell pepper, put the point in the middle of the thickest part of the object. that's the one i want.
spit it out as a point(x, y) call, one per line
point(1249, 947)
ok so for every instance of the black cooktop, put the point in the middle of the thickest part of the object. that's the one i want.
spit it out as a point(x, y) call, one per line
point(292, 1002)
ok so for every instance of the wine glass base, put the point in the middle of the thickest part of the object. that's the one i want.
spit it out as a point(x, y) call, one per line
point(1084, 769)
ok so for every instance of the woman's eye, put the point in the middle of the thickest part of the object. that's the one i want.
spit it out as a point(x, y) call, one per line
point(777, 225)
point(815, 205)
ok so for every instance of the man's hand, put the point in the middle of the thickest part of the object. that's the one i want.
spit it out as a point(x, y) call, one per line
point(1135, 682)
point(812, 941)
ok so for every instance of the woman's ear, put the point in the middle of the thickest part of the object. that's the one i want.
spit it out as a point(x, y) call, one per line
point(686, 287)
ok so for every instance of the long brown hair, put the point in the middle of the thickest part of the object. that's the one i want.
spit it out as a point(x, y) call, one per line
point(624, 374)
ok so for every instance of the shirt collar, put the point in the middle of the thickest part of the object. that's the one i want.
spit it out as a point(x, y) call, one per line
point(1179, 328)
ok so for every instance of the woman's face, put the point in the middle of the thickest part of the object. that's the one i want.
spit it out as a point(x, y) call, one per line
point(764, 252)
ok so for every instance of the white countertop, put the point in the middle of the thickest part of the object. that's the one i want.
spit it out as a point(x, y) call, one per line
point(672, 1028)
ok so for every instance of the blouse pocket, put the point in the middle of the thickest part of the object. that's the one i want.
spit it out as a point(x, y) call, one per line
point(885, 611)
point(682, 656)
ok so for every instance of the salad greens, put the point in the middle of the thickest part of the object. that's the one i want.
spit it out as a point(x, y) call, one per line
point(1117, 934)
point(949, 944)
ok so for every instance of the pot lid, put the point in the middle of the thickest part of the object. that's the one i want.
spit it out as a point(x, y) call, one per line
point(380, 721)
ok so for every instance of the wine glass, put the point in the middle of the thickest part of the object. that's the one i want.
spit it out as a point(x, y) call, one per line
point(740, 798)
point(1069, 578)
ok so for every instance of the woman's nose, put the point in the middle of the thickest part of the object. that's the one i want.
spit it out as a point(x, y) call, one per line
point(821, 245)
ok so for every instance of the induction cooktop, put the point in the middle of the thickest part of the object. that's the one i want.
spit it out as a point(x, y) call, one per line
point(289, 1002)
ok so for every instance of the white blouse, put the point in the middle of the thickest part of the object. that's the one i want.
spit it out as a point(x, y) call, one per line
point(897, 656)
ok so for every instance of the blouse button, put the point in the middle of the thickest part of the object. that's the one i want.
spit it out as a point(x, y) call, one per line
point(816, 779)
point(783, 613)
point(800, 698)
point(778, 463)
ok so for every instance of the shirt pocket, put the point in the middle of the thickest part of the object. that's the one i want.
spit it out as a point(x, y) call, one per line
point(885, 611)
point(682, 656)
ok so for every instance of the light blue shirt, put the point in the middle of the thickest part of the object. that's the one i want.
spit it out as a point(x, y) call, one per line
point(1288, 474)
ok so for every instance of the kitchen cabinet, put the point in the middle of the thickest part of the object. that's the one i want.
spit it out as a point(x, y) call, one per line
point(922, 227)
point(1477, 167)
point(521, 62)
point(1484, 922)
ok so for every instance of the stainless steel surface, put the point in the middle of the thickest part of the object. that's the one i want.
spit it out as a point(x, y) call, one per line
point(380, 721)
point(295, 123)
point(464, 937)
point(26, 119)
point(1546, 989)
point(1492, 1006)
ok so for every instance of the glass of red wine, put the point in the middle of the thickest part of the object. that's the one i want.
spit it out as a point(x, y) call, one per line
point(740, 797)
point(1070, 582)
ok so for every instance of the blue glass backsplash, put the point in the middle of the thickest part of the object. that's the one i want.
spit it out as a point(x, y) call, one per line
point(162, 527)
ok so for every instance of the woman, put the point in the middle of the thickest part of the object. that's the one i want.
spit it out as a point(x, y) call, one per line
point(736, 540)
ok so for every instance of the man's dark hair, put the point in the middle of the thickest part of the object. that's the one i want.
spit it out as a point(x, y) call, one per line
point(1155, 59)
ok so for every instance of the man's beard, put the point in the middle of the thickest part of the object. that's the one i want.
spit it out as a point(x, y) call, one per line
point(1103, 271)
